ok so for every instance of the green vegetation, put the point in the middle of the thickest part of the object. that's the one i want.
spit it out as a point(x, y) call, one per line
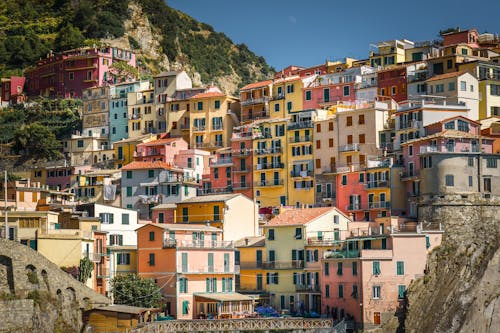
point(36, 141)
point(133, 290)
point(32, 277)
point(85, 269)
point(29, 29)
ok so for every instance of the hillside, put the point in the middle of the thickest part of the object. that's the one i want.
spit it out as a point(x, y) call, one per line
point(163, 37)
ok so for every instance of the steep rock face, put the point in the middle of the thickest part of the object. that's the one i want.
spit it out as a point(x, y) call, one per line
point(460, 291)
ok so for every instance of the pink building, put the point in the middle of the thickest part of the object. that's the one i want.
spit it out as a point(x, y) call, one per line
point(67, 73)
point(195, 269)
point(12, 90)
point(164, 213)
point(194, 162)
point(163, 149)
point(366, 277)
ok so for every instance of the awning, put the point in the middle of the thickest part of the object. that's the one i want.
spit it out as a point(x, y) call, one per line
point(149, 184)
point(224, 297)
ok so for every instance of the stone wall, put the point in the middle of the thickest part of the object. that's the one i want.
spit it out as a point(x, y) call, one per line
point(460, 289)
point(37, 295)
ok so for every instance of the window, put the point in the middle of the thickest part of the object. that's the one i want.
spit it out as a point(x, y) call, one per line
point(125, 219)
point(276, 107)
point(344, 179)
point(183, 282)
point(270, 234)
point(347, 90)
point(129, 191)
point(308, 95)
point(449, 180)
point(439, 88)
point(129, 174)
point(354, 268)
point(327, 291)
point(361, 138)
point(185, 214)
point(410, 150)
point(471, 181)
point(463, 86)
point(491, 162)
point(217, 105)
point(72, 76)
point(216, 213)
point(151, 235)
point(361, 119)
point(376, 268)
point(354, 293)
point(123, 258)
point(330, 126)
point(216, 173)
point(79, 143)
point(339, 268)
point(349, 121)
point(327, 268)
point(463, 126)
point(451, 86)
point(115, 239)
point(106, 218)
point(495, 89)
point(318, 144)
point(401, 291)
point(289, 89)
point(185, 307)
point(289, 106)
point(341, 291)
point(376, 292)
point(449, 125)
point(330, 142)
point(393, 90)
point(449, 63)
point(151, 259)
point(298, 233)
point(151, 173)
point(200, 106)
point(318, 128)
point(400, 268)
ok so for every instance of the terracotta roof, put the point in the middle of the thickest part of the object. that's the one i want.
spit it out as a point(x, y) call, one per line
point(183, 226)
point(257, 85)
point(298, 216)
point(455, 117)
point(447, 134)
point(446, 76)
point(210, 198)
point(138, 165)
point(258, 241)
point(208, 95)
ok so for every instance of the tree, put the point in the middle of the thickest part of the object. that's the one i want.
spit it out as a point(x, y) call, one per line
point(36, 141)
point(85, 269)
point(69, 38)
point(133, 290)
point(122, 72)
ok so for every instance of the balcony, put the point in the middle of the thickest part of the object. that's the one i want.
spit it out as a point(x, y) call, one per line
point(268, 151)
point(349, 147)
point(241, 170)
point(278, 96)
point(204, 244)
point(379, 205)
point(93, 256)
point(217, 190)
point(216, 269)
point(342, 254)
point(377, 184)
point(241, 186)
point(266, 166)
point(406, 175)
point(221, 162)
point(135, 116)
point(251, 264)
point(307, 288)
point(218, 127)
point(260, 136)
point(300, 124)
point(268, 183)
point(298, 139)
point(255, 115)
point(353, 207)
point(291, 264)
point(200, 128)
point(252, 101)
point(242, 135)
point(241, 152)
point(303, 174)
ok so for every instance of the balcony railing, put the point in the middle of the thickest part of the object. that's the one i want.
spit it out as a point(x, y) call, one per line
point(303, 174)
point(253, 101)
point(353, 207)
point(274, 182)
point(241, 152)
point(241, 186)
point(202, 269)
point(255, 115)
point(278, 96)
point(297, 139)
point(379, 204)
point(241, 170)
point(221, 161)
point(300, 124)
point(218, 127)
point(251, 264)
point(349, 147)
point(307, 288)
point(134, 116)
point(291, 264)
point(204, 244)
point(268, 151)
point(199, 128)
point(93, 256)
point(265, 166)
point(377, 184)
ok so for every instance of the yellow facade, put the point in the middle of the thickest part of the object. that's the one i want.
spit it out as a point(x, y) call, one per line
point(63, 249)
point(390, 53)
point(121, 263)
point(201, 213)
point(124, 149)
point(252, 274)
point(286, 98)
point(178, 118)
point(212, 120)
point(488, 102)
point(141, 113)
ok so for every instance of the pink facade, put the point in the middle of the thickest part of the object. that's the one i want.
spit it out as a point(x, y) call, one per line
point(367, 279)
point(163, 150)
point(67, 73)
point(221, 173)
point(164, 213)
point(12, 89)
point(318, 95)
point(242, 155)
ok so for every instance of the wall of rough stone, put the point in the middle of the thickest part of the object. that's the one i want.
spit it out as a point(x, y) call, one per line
point(37, 295)
point(460, 290)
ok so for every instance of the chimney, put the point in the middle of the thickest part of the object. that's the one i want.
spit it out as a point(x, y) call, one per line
point(246, 241)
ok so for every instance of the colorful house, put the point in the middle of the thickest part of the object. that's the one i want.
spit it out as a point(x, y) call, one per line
point(194, 268)
point(234, 213)
point(250, 255)
point(88, 150)
point(95, 114)
point(12, 90)
point(242, 156)
point(124, 149)
point(286, 237)
point(142, 119)
point(254, 99)
point(365, 280)
point(163, 149)
point(390, 53)
point(98, 186)
point(392, 83)
point(178, 111)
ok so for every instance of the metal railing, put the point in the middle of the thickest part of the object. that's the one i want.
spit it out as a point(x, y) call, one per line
point(221, 161)
point(265, 166)
point(290, 264)
point(377, 184)
point(92, 256)
point(305, 173)
point(204, 269)
point(266, 151)
point(297, 139)
point(252, 101)
point(274, 182)
point(300, 124)
point(349, 147)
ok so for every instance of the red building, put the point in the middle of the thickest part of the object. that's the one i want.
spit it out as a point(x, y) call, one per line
point(242, 155)
point(392, 83)
point(470, 37)
point(67, 73)
point(12, 90)
point(221, 171)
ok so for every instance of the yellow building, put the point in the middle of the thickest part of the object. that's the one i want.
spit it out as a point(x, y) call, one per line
point(390, 53)
point(141, 113)
point(287, 235)
point(125, 148)
point(123, 259)
point(255, 99)
point(25, 226)
point(178, 110)
point(250, 255)
point(234, 213)
point(91, 186)
point(95, 114)
point(212, 118)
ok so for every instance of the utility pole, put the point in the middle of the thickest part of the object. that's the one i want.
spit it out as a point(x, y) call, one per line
point(5, 212)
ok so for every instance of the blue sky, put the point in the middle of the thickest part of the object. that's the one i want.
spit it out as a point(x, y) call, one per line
point(308, 32)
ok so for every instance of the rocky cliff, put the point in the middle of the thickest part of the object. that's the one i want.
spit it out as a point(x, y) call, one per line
point(461, 288)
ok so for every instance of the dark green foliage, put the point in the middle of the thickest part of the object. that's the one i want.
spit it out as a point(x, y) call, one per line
point(133, 43)
point(85, 269)
point(69, 38)
point(133, 290)
point(36, 141)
